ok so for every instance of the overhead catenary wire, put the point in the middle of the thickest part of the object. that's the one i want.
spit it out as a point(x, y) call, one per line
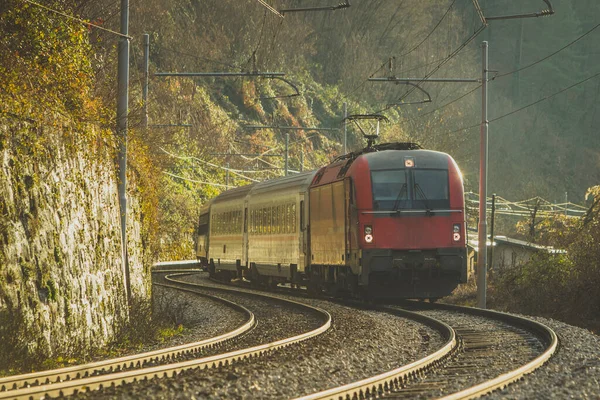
point(208, 163)
point(528, 105)
point(270, 8)
point(431, 32)
point(447, 104)
point(197, 181)
point(434, 70)
point(446, 60)
point(409, 52)
point(549, 55)
point(82, 21)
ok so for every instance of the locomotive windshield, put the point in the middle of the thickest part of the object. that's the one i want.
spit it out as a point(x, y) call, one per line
point(421, 189)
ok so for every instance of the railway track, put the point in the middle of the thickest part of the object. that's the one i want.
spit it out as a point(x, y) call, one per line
point(483, 362)
point(115, 372)
point(486, 350)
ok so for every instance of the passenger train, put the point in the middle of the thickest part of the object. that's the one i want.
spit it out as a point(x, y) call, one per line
point(384, 222)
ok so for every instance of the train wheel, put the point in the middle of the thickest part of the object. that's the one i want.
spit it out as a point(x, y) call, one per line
point(433, 299)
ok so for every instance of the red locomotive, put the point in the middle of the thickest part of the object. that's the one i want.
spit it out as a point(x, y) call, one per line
point(384, 222)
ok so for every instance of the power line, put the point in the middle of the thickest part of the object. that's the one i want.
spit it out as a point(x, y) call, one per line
point(530, 104)
point(444, 61)
point(86, 23)
point(550, 55)
point(447, 104)
point(546, 98)
point(274, 11)
point(196, 181)
point(408, 52)
point(431, 32)
point(448, 58)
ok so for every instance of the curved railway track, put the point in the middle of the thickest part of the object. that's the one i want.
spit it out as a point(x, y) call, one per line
point(110, 373)
point(470, 349)
point(436, 377)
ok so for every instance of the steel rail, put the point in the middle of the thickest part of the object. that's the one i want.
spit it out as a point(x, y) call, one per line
point(379, 384)
point(171, 370)
point(543, 331)
point(382, 383)
point(11, 383)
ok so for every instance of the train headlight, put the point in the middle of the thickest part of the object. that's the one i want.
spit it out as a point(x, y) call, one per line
point(456, 232)
point(368, 233)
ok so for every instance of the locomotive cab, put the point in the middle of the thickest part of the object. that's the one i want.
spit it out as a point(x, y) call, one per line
point(389, 224)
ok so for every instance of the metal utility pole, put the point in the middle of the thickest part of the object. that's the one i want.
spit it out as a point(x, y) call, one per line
point(483, 161)
point(146, 77)
point(345, 127)
point(287, 145)
point(301, 160)
point(122, 111)
point(492, 230)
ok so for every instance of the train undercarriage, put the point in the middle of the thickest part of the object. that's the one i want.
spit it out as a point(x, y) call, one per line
point(386, 274)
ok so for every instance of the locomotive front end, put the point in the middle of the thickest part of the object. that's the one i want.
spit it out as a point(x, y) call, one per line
point(411, 224)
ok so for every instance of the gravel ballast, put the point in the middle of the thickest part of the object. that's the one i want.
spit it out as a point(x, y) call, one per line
point(573, 372)
point(359, 345)
point(362, 344)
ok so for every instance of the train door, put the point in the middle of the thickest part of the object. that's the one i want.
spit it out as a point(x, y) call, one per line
point(351, 215)
point(303, 245)
point(245, 237)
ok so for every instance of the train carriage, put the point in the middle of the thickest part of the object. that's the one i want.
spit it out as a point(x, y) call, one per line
point(228, 232)
point(386, 222)
point(277, 239)
point(202, 235)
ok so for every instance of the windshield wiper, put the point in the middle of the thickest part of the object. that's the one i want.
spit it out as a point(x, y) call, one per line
point(422, 194)
point(399, 197)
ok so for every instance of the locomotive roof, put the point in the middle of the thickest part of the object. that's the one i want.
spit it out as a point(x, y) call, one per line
point(390, 159)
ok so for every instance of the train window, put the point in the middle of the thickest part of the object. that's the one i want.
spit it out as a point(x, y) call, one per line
point(269, 220)
point(278, 219)
point(250, 214)
point(234, 222)
point(255, 221)
point(286, 213)
point(302, 222)
point(293, 213)
point(390, 189)
point(430, 188)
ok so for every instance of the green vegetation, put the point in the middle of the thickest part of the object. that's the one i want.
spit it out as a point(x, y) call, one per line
point(562, 286)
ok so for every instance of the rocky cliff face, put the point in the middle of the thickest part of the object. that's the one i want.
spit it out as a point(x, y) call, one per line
point(61, 273)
